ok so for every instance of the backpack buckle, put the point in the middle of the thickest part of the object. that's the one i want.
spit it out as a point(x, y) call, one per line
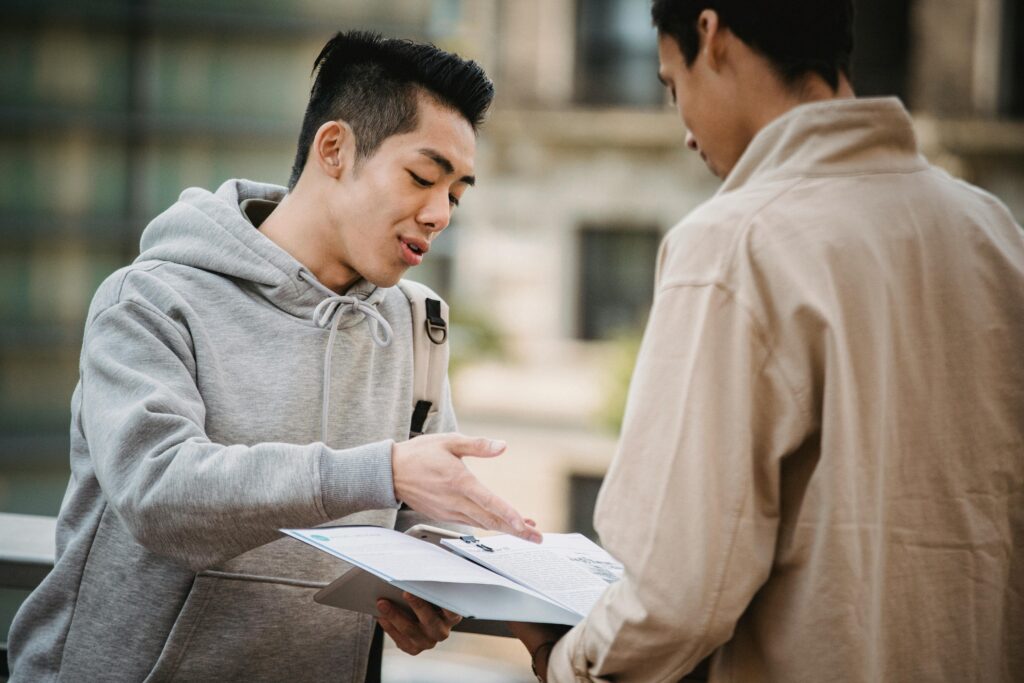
point(437, 328)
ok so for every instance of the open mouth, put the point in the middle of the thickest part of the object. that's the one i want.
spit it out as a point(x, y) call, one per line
point(413, 252)
point(416, 246)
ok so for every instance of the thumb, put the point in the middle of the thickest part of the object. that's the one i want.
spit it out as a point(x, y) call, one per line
point(478, 447)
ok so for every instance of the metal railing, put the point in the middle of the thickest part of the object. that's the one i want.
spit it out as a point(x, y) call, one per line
point(27, 549)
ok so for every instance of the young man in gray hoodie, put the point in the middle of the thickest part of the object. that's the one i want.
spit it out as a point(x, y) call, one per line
point(252, 370)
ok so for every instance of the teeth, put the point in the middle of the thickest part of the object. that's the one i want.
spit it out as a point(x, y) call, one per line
point(415, 249)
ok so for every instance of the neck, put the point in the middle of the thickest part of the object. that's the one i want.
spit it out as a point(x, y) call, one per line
point(777, 98)
point(306, 236)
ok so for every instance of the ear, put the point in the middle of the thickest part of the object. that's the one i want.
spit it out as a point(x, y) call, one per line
point(333, 148)
point(712, 38)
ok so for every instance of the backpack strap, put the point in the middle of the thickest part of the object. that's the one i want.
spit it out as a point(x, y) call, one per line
point(429, 351)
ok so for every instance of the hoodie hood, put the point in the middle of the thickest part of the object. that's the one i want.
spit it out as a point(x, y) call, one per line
point(209, 231)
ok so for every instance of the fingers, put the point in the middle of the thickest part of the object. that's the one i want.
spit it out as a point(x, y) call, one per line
point(479, 447)
point(443, 487)
point(419, 631)
point(434, 622)
point(497, 514)
point(451, 618)
point(528, 633)
point(402, 629)
point(533, 635)
point(404, 644)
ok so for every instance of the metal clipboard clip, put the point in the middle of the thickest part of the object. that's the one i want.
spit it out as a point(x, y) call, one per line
point(473, 540)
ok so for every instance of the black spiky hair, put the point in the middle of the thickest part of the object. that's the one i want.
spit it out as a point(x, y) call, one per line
point(372, 83)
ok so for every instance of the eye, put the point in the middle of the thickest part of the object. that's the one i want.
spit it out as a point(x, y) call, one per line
point(422, 182)
point(453, 200)
point(668, 86)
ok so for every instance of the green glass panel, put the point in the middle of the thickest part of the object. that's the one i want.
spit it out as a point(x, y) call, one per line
point(32, 168)
point(14, 288)
point(17, 175)
point(251, 79)
point(109, 179)
point(272, 165)
point(184, 71)
point(35, 490)
point(10, 600)
point(36, 388)
point(16, 74)
point(162, 182)
point(112, 63)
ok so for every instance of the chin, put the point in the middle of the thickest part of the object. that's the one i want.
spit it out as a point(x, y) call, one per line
point(384, 279)
point(714, 170)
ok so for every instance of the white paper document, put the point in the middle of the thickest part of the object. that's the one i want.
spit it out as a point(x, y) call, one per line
point(491, 579)
point(567, 568)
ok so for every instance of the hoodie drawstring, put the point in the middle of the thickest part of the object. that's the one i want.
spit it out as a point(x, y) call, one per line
point(329, 312)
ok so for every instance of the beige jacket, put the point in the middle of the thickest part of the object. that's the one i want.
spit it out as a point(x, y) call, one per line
point(821, 471)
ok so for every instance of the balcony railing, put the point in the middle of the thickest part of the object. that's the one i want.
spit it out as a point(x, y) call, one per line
point(27, 550)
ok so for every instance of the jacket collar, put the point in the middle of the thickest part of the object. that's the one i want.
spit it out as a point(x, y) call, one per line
point(834, 137)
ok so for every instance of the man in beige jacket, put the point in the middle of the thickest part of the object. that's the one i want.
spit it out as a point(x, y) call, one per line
point(821, 471)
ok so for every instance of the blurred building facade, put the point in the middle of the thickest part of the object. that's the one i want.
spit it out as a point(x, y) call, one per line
point(110, 108)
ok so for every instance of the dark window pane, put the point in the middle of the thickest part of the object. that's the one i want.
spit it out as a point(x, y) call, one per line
point(616, 54)
point(583, 490)
point(616, 280)
point(1012, 67)
point(881, 32)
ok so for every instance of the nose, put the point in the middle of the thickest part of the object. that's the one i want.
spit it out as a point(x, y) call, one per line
point(691, 142)
point(435, 214)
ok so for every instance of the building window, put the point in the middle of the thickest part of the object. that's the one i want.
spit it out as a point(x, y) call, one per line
point(616, 54)
point(616, 279)
point(583, 489)
point(1012, 66)
point(881, 47)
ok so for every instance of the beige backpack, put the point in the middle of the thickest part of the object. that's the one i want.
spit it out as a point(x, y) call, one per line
point(429, 352)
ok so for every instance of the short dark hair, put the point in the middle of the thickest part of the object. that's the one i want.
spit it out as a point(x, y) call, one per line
point(373, 84)
point(797, 36)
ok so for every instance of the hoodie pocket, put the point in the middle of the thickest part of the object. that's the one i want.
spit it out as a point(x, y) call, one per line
point(233, 629)
point(184, 627)
point(125, 601)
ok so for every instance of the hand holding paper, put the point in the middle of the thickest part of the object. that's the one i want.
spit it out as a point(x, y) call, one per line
point(538, 640)
point(431, 478)
point(421, 629)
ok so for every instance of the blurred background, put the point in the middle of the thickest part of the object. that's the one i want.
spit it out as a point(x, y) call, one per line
point(108, 109)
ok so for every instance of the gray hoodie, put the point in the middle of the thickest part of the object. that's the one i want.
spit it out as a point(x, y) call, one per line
point(196, 433)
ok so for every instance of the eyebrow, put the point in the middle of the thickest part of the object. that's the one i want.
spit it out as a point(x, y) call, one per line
point(442, 161)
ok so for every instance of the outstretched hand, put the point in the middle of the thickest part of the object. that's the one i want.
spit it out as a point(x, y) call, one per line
point(431, 478)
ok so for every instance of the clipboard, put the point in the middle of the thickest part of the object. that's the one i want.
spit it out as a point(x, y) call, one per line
point(358, 590)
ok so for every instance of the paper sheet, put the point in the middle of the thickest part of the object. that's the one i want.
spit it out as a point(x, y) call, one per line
point(567, 568)
point(396, 556)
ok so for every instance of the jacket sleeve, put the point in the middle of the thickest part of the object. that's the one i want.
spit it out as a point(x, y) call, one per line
point(691, 502)
point(179, 494)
